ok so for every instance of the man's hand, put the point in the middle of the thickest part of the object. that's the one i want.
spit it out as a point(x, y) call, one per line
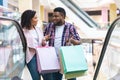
point(47, 37)
point(74, 41)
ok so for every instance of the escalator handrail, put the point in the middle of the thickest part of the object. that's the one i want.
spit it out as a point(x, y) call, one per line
point(107, 38)
point(84, 13)
point(72, 5)
point(19, 30)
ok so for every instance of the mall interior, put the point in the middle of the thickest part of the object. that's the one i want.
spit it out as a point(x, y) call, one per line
point(97, 22)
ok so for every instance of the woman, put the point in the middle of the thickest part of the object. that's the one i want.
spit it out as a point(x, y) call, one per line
point(34, 37)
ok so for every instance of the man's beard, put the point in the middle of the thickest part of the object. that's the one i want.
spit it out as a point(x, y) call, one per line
point(58, 23)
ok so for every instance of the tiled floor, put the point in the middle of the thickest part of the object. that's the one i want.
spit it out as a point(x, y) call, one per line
point(26, 74)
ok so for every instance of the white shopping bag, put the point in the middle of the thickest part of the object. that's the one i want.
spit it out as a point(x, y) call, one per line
point(47, 60)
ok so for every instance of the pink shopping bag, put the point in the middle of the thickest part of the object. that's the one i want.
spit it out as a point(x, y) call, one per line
point(47, 60)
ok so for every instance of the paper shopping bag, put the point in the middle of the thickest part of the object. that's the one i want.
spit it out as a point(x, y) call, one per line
point(75, 74)
point(47, 60)
point(73, 60)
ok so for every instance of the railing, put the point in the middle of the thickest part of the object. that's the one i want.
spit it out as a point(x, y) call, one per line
point(81, 14)
point(105, 69)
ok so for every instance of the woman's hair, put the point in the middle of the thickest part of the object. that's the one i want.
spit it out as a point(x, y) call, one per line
point(26, 18)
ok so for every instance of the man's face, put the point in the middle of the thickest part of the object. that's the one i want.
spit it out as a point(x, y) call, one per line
point(58, 18)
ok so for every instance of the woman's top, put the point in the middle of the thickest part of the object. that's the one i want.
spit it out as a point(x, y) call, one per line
point(34, 39)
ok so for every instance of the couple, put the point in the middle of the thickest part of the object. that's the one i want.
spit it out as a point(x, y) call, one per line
point(58, 33)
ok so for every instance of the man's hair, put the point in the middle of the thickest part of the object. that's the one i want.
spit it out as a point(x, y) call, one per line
point(61, 10)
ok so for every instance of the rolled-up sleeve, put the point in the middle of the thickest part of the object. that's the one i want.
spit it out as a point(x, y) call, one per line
point(74, 33)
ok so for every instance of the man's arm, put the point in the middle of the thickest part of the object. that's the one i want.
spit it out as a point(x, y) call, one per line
point(75, 42)
point(75, 39)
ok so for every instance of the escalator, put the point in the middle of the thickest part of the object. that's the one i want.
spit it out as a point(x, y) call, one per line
point(87, 28)
point(108, 67)
point(6, 12)
point(12, 49)
point(81, 14)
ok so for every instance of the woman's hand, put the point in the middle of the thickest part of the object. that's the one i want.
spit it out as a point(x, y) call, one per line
point(43, 42)
point(46, 38)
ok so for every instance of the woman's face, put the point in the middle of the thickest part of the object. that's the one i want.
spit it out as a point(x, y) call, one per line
point(34, 20)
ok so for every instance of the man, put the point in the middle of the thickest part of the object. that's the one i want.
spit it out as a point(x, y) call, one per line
point(61, 33)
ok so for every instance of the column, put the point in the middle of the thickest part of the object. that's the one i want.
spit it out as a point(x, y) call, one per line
point(113, 13)
point(36, 7)
point(42, 12)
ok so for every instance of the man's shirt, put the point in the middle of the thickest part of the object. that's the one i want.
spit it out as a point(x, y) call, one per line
point(68, 32)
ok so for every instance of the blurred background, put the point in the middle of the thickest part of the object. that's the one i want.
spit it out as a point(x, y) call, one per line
point(92, 18)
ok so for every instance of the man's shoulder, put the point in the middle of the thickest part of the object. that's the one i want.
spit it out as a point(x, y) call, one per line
point(67, 24)
point(50, 24)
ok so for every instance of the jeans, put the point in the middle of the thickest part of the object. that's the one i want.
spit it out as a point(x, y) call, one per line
point(32, 66)
point(72, 79)
point(53, 76)
point(58, 76)
point(47, 76)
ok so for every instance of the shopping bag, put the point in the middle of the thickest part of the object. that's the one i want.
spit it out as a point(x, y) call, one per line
point(47, 60)
point(75, 74)
point(73, 61)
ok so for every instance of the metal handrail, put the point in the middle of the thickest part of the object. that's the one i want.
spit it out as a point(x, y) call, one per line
point(105, 46)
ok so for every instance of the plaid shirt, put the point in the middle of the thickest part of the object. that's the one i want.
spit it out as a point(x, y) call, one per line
point(69, 30)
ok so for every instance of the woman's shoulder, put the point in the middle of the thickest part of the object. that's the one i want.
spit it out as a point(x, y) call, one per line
point(38, 28)
point(25, 30)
